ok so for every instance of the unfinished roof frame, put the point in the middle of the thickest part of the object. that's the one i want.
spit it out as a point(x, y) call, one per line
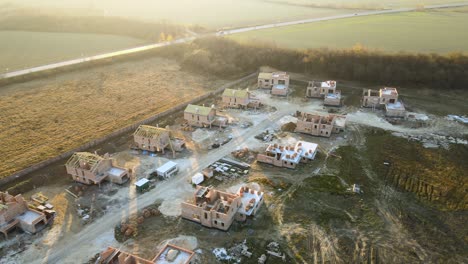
point(150, 131)
point(89, 168)
point(91, 159)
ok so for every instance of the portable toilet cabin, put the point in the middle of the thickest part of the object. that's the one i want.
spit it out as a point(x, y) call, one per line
point(167, 170)
point(142, 185)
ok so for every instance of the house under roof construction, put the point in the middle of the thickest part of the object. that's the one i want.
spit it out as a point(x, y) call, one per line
point(288, 156)
point(89, 168)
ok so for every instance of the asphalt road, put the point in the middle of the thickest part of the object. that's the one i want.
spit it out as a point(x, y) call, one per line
point(221, 33)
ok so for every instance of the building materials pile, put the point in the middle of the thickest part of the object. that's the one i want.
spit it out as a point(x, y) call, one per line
point(233, 254)
point(129, 227)
point(461, 119)
point(244, 154)
point(228, 169)
point(218, 143)
point(266, 136)
point(273, 249)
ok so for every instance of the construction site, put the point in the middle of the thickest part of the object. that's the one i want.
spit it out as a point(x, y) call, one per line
point(258, 173)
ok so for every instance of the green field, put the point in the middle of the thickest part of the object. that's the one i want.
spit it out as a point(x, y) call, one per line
point(19, 49)
point(435, 31)
point(25, 40)
point(212, 14)
point(407, 31)
point(369, 4)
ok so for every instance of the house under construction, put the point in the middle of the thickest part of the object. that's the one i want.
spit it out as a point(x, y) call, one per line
point(217, 209)
point(151, 138)
point(170, 254)
point(332, 99)
point(288, 156)
point(14, 212)
point(326, 90)
point(266, 80)
point(251, 201)
point(89, 168)
point(386, 98)
point(319, 89)
point(116, 256)
point(202, 116)
point(239, 99)
point(156, 139)
point(319, 125)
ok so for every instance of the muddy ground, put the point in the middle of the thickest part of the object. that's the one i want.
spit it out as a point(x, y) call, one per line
point(309, 211)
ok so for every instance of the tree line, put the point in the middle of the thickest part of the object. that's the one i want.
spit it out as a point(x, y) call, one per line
point(226, 58)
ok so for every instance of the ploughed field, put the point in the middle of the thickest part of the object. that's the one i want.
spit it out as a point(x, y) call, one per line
point(43, 118)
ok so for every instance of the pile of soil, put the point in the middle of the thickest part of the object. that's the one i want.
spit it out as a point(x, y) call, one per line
point(288, 127)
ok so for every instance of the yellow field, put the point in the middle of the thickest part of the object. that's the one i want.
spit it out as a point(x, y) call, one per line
point(42, 118)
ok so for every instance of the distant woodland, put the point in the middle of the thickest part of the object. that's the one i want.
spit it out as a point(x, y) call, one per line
point(225, 58)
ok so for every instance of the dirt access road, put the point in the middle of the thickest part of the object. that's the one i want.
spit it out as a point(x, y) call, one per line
point(78, 247)
point(220, 33)
point(65, 249)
